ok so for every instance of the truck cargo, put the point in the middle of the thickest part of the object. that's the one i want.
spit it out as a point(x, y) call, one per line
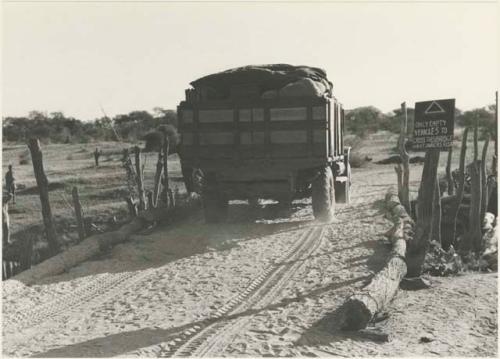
point(271, 131)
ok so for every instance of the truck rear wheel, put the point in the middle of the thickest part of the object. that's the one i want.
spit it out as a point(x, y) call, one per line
point(323, 195)
point(343, 189)
point(215, 205)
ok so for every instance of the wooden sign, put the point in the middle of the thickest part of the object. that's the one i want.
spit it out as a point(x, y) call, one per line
point(433, 125)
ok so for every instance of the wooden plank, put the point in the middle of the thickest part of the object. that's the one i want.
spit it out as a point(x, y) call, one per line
point(278, 137)
point(252, 115)
point(214, 116)
point(262, 103)
point(216, 138)
point(245, 115)
point(187, 116)
point(236, 134)
point(310, 124)
point(289, 114)
point(320, 136)
point(330, 130)
point(267, 135)
point(187, 138)
point(246, 138)
point(319, 113)
point(265, 168)
point(293, 150)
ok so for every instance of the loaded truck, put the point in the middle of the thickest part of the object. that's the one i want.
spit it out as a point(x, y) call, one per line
point(270, 131)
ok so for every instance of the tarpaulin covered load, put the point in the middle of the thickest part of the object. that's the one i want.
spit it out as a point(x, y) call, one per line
point(264, 81)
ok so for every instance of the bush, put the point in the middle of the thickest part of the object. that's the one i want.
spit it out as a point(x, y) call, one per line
point(154, 141)
point(25, 158)
point(363, 120)
point(358, 160)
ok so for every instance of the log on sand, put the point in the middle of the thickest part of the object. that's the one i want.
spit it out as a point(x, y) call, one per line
point(361, 307)
point(86, 249)
point(93, 245)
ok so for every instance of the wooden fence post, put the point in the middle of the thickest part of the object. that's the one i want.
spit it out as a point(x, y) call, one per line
point(140, 182)
point(5, 220)
point(26, 254)
point(132, 206)
point(436, 217)
point(166, 189)
point(484, 179)
point(97, 154)
point(418, 248)
point(399, 174)
point(460, 189)
point(404, 195)
point(159, 169)
point(151, 203)
point(78, 214)
point(449, 180)
point(472, 239)
point(42, 184)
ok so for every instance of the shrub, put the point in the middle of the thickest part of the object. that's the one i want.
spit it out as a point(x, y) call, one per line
point(358, 160)
point(363, 120)
point(25, 158)
point(154, 140)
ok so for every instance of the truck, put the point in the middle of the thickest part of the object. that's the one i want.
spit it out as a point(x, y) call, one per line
point(268, 131)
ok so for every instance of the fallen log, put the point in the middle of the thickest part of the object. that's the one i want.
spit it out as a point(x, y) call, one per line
point(88, 248)
point(93, 245)
point(361, 307)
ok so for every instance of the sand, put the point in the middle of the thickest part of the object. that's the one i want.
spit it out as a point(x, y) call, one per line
point(267, 283)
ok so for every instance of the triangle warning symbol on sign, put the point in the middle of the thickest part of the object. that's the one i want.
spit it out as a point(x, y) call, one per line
point(434, 107)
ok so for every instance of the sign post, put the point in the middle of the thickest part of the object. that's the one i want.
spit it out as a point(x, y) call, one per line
point(433, 132)
point(434, 125)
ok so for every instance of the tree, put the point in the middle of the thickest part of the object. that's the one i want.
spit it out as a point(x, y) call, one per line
point(165, 117)
point(364, 120)
point(485, 117)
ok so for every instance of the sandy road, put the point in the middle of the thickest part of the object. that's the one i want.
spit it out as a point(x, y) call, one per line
point(254, 286)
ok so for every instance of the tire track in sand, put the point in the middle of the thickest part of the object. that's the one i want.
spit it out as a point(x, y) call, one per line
point(100, 289)
point(205, 339)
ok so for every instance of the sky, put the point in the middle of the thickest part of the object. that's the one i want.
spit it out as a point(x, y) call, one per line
point(75, 57)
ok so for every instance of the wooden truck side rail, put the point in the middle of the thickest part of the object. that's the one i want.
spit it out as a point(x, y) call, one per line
point(289, 128)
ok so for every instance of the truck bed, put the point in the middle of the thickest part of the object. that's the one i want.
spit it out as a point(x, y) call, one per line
point(259, 139)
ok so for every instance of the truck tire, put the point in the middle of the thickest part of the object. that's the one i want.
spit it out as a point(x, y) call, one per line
point(215, 205)
point(323, 195)
point(343, 189)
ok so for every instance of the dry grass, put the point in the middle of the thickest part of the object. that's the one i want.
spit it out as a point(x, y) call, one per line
point(101, 189)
